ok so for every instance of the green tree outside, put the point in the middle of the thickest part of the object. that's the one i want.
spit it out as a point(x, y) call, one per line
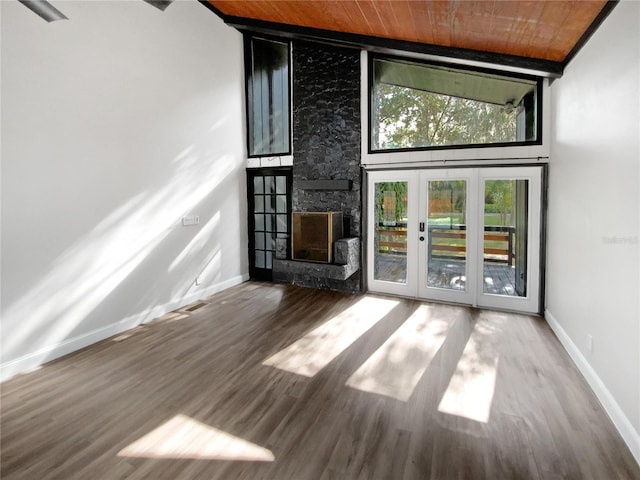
point(410, 118)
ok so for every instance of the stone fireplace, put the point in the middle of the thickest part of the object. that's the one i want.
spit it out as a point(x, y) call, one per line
point(326, 162)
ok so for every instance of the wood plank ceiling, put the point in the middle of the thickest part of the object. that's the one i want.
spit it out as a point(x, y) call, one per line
point(547, 30)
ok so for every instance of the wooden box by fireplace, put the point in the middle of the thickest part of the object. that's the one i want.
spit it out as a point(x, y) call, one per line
point(313, 235)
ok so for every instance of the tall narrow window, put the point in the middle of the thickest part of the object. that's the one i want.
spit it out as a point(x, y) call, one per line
point(268, 97)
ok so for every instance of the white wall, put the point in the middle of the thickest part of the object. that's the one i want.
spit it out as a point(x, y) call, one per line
point(593, 267)
point(115, 124)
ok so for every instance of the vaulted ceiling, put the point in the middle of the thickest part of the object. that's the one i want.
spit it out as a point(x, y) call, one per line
point(544, 35)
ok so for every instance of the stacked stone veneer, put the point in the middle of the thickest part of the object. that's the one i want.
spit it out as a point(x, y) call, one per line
point(326, 143)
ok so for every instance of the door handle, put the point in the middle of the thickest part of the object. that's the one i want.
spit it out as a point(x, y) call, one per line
point(422, 226)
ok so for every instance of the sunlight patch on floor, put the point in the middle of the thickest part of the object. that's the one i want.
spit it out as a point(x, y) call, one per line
point(472, 386)
point(310, 354)
point(183, 437)
point(397, 366)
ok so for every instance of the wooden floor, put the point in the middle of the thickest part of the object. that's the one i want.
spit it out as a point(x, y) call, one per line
point(281, 382)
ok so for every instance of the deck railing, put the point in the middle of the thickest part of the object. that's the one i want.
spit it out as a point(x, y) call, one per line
point(449, 242)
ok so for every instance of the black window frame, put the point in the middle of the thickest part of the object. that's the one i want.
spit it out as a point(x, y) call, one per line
point(266, 274)
point(248, 62)
point(370, 105)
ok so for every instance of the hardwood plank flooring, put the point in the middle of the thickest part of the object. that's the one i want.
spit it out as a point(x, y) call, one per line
point(191, 396)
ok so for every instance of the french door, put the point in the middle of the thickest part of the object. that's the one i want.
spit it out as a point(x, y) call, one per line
point(269, 195)
point(468, 235)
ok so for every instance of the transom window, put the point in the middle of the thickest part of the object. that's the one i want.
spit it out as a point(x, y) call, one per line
point(425, 106)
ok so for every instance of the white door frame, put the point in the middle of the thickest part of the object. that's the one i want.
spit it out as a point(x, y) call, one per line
point(466, 296)
point(407, 289)
point(530, 302)
point(416, 284)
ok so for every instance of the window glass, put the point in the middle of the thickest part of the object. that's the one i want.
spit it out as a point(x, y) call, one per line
point(270, 224)
point(258, 185)
point(259, 221)
point(258, 203)
point(282, 224)
point(269, 183)
point(269, 204)
point(268, 97)
point(260, 263)
point(259, 241)
point(417, 106)
point(281, 205)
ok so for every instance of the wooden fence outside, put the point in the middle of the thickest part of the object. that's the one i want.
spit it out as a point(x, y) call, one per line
point(449, 243)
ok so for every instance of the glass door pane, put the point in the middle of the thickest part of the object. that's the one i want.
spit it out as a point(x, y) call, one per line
point(504, 260)
point(447, 234)
point(447, 230)
point(390, 232)
point(509, 258)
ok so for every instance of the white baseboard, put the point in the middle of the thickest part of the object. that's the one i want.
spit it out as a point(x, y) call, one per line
point(34, 360)
point(218, 287)
point(617, 415)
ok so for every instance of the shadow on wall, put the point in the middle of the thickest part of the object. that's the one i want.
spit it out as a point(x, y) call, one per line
point(61, 306)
